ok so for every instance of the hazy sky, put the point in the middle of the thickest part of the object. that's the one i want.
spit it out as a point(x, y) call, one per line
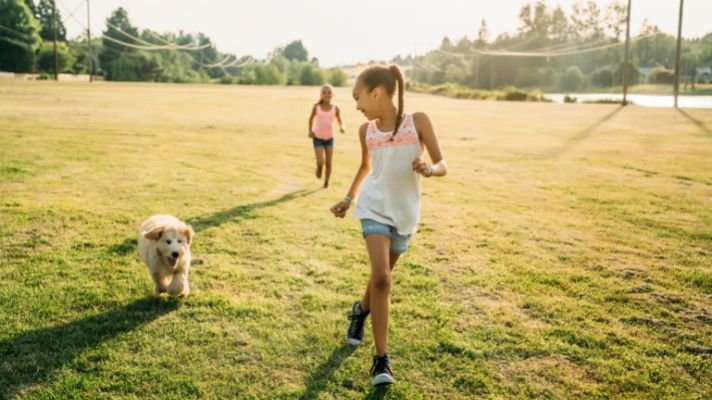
point(340, 32)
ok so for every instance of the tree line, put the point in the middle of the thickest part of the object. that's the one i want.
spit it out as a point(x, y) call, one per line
point(552, 49)
point(556, 50)
point(125, 53)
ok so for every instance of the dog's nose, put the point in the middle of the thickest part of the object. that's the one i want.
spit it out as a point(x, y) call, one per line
point(175, 254)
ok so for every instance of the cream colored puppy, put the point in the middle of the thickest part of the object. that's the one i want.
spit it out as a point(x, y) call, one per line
point(164, 244)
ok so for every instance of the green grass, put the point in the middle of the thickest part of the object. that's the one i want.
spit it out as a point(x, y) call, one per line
point(566, 255)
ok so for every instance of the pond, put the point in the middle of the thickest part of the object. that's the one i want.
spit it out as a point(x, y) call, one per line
point(645, 100)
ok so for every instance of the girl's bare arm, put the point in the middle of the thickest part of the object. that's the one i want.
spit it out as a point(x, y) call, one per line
point(311, 120)
point(339, 209)
point(338, 118)
point(430, 140)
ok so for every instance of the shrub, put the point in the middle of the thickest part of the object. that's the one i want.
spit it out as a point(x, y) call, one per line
point(633, 74)
point(45, 57)
point(514, 94)
point(311, 75)
point(337, 77)
point(662, 75)
point(572, 79)
point(602, 77)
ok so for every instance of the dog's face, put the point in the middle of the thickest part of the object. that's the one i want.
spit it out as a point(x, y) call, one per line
point(171, 243)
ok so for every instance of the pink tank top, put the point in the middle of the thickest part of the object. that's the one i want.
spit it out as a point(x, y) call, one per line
point(324, 123)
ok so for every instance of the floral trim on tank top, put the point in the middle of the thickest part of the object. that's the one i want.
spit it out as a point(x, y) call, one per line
point(407, 135)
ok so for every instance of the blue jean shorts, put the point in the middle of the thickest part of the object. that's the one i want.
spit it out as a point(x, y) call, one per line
point(399, 243)
point(322, 143)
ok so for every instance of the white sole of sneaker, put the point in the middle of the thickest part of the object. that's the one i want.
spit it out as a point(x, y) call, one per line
point(351, 341)
point(382, 379)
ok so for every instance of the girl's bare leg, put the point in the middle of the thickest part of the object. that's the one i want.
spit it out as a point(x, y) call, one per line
point(319, 151)
point(378, 291)
point(329, 150)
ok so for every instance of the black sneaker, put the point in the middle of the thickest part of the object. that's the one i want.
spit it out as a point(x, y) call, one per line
point(381, 371)
point(354, 334)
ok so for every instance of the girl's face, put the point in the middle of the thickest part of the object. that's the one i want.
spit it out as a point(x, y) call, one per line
point(326, 94)
point(365, 100)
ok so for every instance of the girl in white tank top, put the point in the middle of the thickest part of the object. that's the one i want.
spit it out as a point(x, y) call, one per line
point(392, 145)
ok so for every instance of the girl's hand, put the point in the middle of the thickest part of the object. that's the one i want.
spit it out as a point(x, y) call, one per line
point(339, 209)
point(341, 129)
point(311, 135)
point(421, 167)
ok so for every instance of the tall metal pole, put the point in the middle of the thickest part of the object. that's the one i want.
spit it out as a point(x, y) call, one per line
point(54, 33)
point(625, 57)
point(90, 57)
point(677, 54)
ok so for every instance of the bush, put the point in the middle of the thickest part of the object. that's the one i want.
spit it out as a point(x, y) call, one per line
point(602, 77)
point(570, 99)
point(572, 79)
point(662, 75)
point(606, 101)
point(633, 74)
point(227, 80)
point(269, 75)
point(337, 77)
point(311, 75)
point(45, 57)
point(513, 94)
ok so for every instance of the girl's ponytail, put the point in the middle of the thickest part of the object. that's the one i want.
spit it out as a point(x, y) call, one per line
point(400, 89)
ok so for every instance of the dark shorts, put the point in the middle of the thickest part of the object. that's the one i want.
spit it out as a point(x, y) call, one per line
point(323, 143)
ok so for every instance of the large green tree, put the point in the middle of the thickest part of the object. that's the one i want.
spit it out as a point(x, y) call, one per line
point(296, 51)
point(44, 17)
point(19, 36)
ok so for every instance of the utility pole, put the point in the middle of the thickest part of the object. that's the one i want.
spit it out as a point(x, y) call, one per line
point(54, 33)
point(491, 77)
point(90, 58)
point(413, 70)
point(677, 54)
point(625, 57)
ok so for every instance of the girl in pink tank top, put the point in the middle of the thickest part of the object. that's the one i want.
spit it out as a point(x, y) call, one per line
point(321, 131)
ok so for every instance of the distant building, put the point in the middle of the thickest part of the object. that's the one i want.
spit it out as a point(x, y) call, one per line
point(704, 72)
point(646, 70)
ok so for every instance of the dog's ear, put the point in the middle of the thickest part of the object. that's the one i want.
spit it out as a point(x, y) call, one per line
point(155, 233)
point(188, 232)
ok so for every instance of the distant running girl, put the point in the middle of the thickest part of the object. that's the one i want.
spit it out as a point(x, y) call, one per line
point(321, 130)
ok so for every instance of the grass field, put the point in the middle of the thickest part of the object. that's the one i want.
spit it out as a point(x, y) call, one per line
point(567, 254)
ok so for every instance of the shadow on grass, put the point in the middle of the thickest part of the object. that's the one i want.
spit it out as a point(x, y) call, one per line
point(580, 136)
point(697, 122)
point(321, 376)
point(378, 393)
point(235, 214)
point(30, 358)
point(238, 213)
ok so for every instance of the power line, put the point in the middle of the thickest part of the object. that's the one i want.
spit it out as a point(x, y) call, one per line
point(559, 53)
point(172, 46)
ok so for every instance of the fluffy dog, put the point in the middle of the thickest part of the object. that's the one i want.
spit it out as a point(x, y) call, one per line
point(164, 245)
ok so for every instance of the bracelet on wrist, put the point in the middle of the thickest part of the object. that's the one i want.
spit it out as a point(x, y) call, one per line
point(430, 171)
point(348, 200)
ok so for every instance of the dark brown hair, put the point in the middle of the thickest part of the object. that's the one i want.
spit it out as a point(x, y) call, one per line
point(391, 78)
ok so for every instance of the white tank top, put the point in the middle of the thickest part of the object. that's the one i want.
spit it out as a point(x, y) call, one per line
point(390, 194)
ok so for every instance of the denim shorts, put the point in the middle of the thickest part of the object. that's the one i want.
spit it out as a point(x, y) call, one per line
point(399, 243)
point(322, 143)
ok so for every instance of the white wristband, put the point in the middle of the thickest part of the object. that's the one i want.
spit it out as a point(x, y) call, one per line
point(430, 171)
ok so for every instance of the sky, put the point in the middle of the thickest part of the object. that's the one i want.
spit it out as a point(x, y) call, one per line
point(346, 32)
